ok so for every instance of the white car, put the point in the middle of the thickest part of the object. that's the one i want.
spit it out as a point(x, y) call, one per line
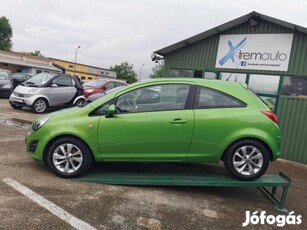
point(48, 90)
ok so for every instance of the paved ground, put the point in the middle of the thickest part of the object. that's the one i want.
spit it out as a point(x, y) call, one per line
point(86, 205)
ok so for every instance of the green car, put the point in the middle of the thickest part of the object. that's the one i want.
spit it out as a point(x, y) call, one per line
point(164, 120)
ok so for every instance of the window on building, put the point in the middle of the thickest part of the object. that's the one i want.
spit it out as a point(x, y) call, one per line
point(5, 64)
point(236, 77)
point(209, 98)
point(38, 71)
point(71, 66)
point(264, 84)
point(294, 86)
point(198, 74)
point(210, 75)
point(181, 73)
point(89, 78)
point(83, 78)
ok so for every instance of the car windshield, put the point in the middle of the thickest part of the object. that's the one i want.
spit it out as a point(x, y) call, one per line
point(95, 83)
point(39, 79)
point(4, 75)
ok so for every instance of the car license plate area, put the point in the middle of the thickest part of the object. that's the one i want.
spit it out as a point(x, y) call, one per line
point(18, 100)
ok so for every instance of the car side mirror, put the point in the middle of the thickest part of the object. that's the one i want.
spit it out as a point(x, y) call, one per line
point(111, 110)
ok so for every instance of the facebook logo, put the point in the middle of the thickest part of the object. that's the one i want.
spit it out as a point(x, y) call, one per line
point(243, 63)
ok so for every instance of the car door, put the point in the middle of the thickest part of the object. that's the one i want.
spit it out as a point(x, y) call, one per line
point(62, 90)
point(155, 127)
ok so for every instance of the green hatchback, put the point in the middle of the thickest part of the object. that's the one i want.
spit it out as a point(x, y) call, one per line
point(164, 120)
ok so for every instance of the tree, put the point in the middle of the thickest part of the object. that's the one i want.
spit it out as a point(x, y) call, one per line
point(5, 34)
point(37, 53)
point(158, 71)
point(125, 71)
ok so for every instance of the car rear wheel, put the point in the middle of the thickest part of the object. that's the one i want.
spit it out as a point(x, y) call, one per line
point(80, 102)
point(40, 105)
point(247, 159)
point(69, 157)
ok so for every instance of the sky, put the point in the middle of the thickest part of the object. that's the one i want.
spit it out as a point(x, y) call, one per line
point(111, 32)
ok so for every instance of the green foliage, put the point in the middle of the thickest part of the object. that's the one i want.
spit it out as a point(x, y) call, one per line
point(37, 53)
point(5, 34)
point(158, 71)
point(125, 71)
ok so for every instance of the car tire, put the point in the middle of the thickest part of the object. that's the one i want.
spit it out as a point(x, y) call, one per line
point(247, 159)
point(80, 102)
point(40, 105)
point(69, 157)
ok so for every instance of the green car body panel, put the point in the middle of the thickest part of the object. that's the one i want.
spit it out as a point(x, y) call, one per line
point(187, 135)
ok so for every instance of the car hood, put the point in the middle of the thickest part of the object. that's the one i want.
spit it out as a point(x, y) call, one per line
point(67, 111)
point(4, 82)
point(24, 89)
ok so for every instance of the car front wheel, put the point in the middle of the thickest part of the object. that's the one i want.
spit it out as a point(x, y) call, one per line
point(69, 157)
point(40, 105)
point(247, 159)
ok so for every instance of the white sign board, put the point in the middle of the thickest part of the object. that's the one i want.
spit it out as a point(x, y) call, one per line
point(254, 51)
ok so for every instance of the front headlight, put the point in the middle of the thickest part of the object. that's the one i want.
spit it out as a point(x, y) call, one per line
point(37, 125)
point(7, 86)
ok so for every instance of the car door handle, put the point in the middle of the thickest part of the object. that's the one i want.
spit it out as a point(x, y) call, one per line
point(178, 121)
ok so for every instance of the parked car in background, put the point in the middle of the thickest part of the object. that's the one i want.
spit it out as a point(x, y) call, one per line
point(100, 86)
point(6, 86)
point(46, 90)
point(18, 78)
point(96, 96)
point(161, 120)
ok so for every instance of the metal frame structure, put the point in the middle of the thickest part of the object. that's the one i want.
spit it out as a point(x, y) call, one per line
point(266, 182)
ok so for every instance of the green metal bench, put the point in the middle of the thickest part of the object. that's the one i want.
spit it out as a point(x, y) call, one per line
point(266, 182)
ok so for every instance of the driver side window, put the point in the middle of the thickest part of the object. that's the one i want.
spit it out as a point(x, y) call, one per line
point(154, 98)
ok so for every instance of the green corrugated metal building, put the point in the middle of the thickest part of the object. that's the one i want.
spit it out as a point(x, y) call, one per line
point(268, 54)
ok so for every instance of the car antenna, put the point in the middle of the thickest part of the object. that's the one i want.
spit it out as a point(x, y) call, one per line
point(232, 73)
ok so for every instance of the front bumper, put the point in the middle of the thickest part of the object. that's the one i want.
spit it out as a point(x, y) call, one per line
point(24, 101)
point(35, 145)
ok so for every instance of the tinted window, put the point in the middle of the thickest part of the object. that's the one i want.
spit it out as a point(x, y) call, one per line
point(209, 98)
point(154, 98)
point(62, 81)
point(118, 84)
point(110, 85)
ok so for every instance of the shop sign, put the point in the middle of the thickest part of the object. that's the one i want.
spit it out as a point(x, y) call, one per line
point(254, 51)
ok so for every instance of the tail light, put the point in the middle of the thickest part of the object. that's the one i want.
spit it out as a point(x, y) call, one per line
point(270, 115)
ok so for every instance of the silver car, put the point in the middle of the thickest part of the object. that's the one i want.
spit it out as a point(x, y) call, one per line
point(48, 90)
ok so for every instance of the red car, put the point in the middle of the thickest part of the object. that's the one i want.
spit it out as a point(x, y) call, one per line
point(100, 86)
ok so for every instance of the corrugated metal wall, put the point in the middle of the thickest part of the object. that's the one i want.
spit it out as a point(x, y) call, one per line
point(292, 115)
point(202, 55)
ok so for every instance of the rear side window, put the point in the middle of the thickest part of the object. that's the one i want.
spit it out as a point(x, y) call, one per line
point(210, 98)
